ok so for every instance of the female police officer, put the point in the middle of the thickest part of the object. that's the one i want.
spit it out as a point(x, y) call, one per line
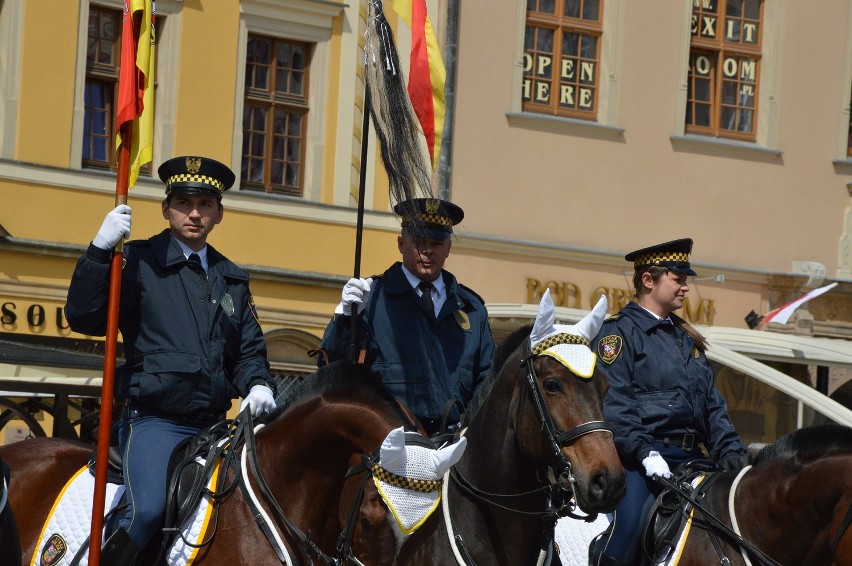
point(192, 340)
point(661, 403)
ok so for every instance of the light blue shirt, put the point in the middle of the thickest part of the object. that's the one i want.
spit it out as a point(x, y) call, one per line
point(439, 289)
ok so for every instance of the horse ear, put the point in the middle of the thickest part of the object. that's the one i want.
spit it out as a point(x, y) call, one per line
point(447, 457)
point(591, 323)
point(392, 454)
point(544, 319)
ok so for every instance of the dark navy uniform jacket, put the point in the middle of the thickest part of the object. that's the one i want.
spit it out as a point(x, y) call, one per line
point(186, 350)
point(423, 361)
point(659, 384)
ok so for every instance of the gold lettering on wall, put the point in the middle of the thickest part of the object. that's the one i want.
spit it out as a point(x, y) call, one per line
point(566, 294)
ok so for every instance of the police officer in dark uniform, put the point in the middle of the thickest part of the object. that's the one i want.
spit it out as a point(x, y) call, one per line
point(192, 339)
point(662, 402)
point(425, 335)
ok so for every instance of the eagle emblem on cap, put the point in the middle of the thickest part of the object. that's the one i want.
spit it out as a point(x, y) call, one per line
point(193, 165)
point(432, 205)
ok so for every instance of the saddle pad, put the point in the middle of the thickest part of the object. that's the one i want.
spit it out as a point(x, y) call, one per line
point(195, 527)
point(67, 526)
point(573, 537)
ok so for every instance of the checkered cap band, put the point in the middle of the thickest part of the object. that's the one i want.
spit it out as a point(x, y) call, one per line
point(190, 178)
point(561, 338)
point(660, 258)
point(430, 218)
point(423, 486)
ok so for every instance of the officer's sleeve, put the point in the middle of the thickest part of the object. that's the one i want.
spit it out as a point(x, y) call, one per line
point(616, 354)
point(252, 367)
point(485, 354)
point(724, 440)
point(335, 340)
point(88, 292)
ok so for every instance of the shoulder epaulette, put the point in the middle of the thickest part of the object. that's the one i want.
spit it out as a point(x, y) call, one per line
point(472, 292)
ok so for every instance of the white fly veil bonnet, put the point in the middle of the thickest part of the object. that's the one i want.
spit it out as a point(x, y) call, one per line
point(569, 344)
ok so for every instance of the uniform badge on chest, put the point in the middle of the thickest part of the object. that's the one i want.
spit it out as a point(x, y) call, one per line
point(462, 319)
point(227, 304)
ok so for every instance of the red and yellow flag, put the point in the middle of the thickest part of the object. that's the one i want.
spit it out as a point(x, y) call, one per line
point(136, 82)
point(426, 75)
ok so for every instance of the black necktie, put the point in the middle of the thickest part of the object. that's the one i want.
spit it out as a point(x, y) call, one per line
point(194, 261)
point(426, 297)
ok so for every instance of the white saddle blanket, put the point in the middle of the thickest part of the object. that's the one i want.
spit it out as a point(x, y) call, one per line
point(67, 527)
point(573, 537)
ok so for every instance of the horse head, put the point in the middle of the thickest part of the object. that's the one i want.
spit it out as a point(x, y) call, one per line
point(544, 409)
point(563, 426)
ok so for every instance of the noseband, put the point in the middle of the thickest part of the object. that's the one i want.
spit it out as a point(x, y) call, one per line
point(555, 439)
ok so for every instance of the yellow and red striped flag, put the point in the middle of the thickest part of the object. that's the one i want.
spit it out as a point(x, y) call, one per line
point(427, 75)
point(136, 83)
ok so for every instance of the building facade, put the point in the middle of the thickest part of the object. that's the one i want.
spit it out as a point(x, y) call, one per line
point(579, 130)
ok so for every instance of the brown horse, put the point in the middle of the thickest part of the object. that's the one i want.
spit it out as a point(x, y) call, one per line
point(793, 506)
point(519, 472)
point(304, 452)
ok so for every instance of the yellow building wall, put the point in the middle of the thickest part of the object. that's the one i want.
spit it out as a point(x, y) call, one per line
point(206, 92)
point(48, 70)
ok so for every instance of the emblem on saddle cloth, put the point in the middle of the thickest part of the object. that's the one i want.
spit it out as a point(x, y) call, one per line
point(409, 477)
point(567, 344)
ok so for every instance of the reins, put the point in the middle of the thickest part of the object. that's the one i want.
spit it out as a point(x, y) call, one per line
point(686, 492)
point(242, 434)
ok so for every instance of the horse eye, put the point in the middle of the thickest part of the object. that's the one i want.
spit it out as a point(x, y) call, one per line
point(552, 385)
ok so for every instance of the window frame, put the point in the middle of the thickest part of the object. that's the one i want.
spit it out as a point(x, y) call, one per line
point(562, 25)
point(274, 101)
point(107, 75)
point(722, 51)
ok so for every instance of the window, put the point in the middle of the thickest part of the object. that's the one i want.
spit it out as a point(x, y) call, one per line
point(275, 115)
point(561, 57)
point(102, 60)
point(724, 66)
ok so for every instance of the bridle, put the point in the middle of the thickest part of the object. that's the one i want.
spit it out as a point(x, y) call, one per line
point(561, 501)
point(563, 498)
point(555, 439)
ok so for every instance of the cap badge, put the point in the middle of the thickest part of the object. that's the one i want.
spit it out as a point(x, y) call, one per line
point(432, 205)
point(193, 165)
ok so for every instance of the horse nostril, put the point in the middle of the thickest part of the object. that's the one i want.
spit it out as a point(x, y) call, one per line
point(598, 485)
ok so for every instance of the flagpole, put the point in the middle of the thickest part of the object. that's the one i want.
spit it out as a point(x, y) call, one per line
point(359, 229)
point(107, 385)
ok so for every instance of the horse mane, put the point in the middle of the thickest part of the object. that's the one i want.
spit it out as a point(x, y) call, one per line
point(342, 379)
point(809, 443)
point(504, 351)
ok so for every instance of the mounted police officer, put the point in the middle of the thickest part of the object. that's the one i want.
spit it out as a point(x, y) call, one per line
point(192, 339)
point(661, 402)
point(425, 335)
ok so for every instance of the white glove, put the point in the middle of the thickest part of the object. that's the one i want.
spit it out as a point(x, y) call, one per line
point(656, 466)
point(356, 291)
point(116, 226)
point(259, 400)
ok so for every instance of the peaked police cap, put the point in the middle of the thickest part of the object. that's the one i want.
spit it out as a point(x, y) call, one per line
point(193, 175)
